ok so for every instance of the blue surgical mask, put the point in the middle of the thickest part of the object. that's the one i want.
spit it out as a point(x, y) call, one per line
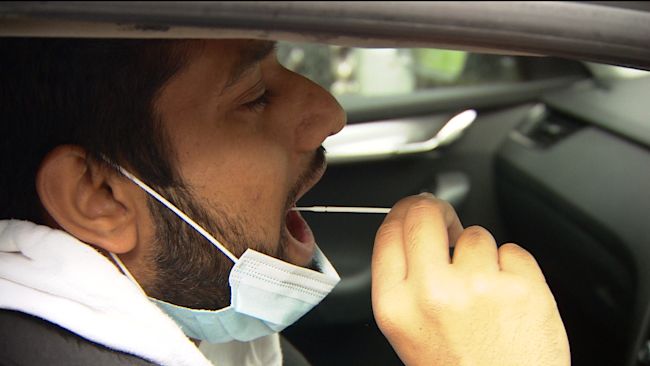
point(266, 294)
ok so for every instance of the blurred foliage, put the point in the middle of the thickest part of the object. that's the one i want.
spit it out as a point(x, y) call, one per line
point(339, 69)
point(439, 65)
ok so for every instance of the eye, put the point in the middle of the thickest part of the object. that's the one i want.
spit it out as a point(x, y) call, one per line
point(259, 103)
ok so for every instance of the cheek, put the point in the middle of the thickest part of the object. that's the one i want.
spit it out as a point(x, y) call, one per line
point(240, 166)
point(257, 179)
point(258, 188)
point(251, 182)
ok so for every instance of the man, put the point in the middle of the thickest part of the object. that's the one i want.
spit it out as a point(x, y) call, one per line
point(100, 135)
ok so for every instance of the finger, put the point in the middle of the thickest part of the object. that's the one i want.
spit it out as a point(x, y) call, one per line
point(476, 251)
point(429, 226)
point(388, 263)
point(517, 260)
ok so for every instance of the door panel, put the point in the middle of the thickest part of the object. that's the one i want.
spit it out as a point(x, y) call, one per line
point(573, 189)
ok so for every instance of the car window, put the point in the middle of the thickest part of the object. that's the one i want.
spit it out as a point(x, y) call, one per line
point(615, 72)
point(346, 71)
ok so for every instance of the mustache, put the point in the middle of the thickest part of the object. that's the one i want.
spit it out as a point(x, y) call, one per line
point(314, 169)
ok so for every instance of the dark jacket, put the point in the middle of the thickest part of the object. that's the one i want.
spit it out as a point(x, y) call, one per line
point(28, 340)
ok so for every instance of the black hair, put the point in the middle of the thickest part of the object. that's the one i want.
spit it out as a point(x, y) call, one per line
point(100, 95)
point(95, 93)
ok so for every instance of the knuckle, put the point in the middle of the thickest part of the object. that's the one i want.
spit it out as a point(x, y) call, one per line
point(474, 235)
point(476, 232)
point(424, 201)
point(514, 250)
point(423, 206)
point(425, 209)
point(409, 201)
point(480, 285)
point(426, 205)
point(386, 314)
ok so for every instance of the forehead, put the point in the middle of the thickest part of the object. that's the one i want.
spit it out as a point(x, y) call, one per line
point(228, 58)
point(228, 48)
point(219, 64)
point(211, 66)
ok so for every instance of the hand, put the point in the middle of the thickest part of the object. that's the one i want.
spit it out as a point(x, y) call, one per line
point(486, 306)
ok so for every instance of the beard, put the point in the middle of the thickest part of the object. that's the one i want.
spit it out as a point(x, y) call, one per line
point(189, 270)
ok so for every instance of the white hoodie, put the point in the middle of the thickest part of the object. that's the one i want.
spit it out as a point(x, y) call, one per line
point(52, 275)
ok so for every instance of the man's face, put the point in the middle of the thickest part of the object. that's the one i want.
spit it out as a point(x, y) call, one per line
point(246, 135)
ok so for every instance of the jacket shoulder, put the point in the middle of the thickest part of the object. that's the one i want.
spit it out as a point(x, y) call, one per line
point(29, 340)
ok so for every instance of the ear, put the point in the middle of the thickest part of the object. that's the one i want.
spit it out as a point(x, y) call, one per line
point(89, 200)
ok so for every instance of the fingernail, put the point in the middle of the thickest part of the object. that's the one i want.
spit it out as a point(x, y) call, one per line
point(427, 194)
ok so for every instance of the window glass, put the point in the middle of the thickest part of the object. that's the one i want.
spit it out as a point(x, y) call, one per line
point(616, 72)
point(390, 71)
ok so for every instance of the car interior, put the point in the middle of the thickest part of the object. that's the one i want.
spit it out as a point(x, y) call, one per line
point(539, 166)
point(555, 158)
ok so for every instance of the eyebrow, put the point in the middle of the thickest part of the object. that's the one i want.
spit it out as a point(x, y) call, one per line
point(249, 57)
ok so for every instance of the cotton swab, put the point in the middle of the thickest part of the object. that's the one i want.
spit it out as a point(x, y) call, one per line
point(341, 209)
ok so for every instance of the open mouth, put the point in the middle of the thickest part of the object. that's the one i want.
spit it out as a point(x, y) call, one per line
point(301, 242)
point(300, 239)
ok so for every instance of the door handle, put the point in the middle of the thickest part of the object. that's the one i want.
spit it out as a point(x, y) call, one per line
point(381, 140)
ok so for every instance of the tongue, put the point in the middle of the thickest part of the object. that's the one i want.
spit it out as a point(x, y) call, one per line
point(297, 226)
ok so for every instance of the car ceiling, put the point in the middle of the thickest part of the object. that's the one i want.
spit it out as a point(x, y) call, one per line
point(605, 32)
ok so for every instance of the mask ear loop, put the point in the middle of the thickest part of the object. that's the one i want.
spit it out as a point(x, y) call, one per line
point(126, 272)
point(175, 210)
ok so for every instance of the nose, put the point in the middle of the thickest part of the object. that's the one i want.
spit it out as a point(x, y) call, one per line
point(320, 116)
